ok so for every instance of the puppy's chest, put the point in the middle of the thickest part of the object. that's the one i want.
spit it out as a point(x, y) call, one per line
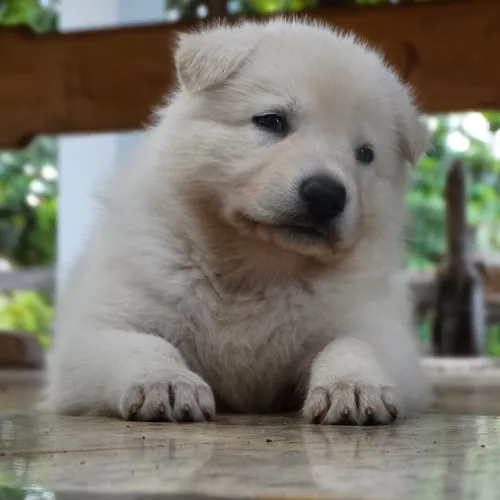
point(253, 348)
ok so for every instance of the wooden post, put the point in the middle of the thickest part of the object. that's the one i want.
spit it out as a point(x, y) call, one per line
point(459, 327)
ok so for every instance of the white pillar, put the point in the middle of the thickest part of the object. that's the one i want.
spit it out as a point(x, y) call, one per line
point(84, 159)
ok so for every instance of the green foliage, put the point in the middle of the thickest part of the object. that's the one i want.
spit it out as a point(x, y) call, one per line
point(8, 493)
point(425, 329)
point(29, 12)
point(29, 312)
point(28, 222)
point(273, 6)
point(493, 340)
point(28, 206)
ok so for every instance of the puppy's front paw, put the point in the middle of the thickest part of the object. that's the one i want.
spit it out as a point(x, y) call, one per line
point(350, 403)
point(179, 398)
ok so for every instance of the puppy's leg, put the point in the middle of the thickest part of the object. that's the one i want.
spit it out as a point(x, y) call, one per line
point(128, 374)
point(348, 386)
point(372, 373)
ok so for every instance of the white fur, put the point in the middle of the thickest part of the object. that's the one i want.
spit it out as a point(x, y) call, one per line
point(186, 291)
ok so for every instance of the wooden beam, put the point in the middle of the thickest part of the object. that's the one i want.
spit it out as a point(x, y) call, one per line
point(110, 80)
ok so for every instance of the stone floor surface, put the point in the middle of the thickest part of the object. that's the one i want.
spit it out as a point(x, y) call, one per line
point(452, 453)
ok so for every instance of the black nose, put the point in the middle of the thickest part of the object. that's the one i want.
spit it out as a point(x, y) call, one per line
point(324, 196)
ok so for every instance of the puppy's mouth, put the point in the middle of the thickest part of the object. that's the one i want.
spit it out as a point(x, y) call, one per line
point(316, 233)
point(302, 232)
point(290, 232)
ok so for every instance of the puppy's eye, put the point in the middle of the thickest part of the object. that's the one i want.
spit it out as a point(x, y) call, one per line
point(271, 122)
point(365, 154)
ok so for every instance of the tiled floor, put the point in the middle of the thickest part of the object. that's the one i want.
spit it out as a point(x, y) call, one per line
point(444, 455)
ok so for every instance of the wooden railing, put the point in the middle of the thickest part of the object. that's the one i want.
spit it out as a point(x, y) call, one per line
point(28, 279)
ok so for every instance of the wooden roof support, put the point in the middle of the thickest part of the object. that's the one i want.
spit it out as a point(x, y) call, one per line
point(110, 80)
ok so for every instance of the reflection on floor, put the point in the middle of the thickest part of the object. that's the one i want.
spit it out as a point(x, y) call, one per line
point(453, 453)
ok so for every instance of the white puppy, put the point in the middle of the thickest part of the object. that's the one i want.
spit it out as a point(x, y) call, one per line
point(246, 255)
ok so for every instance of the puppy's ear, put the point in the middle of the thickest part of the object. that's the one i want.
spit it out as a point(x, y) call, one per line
point(412, 132)
point(207, 58)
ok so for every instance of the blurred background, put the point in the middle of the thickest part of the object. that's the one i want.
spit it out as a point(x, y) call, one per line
point(30, 179)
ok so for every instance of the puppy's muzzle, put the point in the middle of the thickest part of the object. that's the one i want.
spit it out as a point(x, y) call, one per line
point(324, 197)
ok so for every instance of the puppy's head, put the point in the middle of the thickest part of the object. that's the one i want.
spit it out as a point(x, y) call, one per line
point(299, 136)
